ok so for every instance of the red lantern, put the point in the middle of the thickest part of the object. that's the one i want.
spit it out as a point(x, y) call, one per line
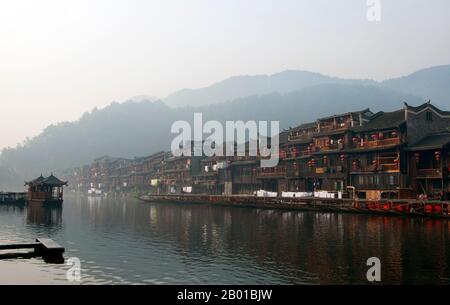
point(437, 155)
point(394, 134)
point(342, 157)
point(295, 165)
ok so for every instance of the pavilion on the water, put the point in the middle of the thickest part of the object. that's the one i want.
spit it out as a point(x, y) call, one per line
point(50, 189)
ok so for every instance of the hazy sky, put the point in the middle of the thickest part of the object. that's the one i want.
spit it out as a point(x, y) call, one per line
point(60, 58)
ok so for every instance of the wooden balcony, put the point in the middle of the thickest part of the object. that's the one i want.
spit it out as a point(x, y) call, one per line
point(331, 147)
point(299, 137)
point(379, 143)
point(331, 172)
point(208, 174)
point(271, 172)
point(390, 168)
point(204, 180)
point(293, 172)
point(429, 173)
point(394, 167)
point(244, 179)
point(334, 127)
point(296, 154)
point(44, 196)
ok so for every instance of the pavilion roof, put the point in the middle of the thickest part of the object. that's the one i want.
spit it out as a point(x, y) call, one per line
point(51, 181)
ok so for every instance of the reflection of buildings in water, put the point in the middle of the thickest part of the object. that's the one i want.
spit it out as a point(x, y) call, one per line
point(94, 201)
point(94, 208)
point(44, 214)
point(318, 247)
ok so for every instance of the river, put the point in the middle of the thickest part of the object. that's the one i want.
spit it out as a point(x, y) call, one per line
point(126, 241)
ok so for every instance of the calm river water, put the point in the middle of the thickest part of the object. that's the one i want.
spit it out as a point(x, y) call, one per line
point(128, 241)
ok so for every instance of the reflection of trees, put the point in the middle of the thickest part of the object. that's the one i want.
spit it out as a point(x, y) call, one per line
point(296, 247)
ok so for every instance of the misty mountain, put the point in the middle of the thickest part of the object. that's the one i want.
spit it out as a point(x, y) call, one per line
point(141, 128)
point(243, 86)
point(432, 83)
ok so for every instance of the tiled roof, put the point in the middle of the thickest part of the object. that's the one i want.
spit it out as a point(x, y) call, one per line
point(304, 126)
point(53, 181)
point(367, 110)
point(39, 179)
point(383, 120)
point(435, 141)
point(425, 106)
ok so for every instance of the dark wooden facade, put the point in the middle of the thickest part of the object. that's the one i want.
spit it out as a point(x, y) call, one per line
point(384, 155)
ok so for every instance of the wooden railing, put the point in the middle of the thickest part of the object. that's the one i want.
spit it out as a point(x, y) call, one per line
point(43, 196)
point(271, 172)
point(333, 127)
point(299, 137)
point(296, 154)
point(431, 173)
point(329, 147)
point(244, 179)
point(244, 158)
point(304, 136)
point(378, 143)
point(292, 172)
point(176, 169)
point(202, 178)
point(390, 167)
point(379, 168)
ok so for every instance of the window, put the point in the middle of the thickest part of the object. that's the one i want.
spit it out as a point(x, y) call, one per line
point(361, 180)
point(391, 180)
point(429, 116)
point(376, 180)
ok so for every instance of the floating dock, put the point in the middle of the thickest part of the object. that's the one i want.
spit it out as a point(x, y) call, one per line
point(46, 248)
point(13, 197)
point(411, 208)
